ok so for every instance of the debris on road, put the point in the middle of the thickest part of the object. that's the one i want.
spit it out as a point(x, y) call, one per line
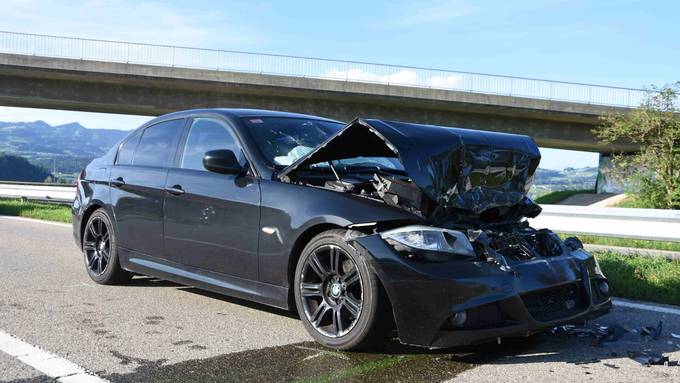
point(646, 358)
point(654, 332)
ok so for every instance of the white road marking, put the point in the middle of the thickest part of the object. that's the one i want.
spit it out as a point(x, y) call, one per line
point(49, 364)
point(648, 307)
point(36, 221)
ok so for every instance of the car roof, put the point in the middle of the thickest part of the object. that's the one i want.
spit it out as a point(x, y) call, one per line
point(233, 112)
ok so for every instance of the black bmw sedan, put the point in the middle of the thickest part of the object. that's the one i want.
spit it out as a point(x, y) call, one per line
point(359, 227)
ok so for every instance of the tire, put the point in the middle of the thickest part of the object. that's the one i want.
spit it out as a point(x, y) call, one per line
point(326, 294)
point(99, 251)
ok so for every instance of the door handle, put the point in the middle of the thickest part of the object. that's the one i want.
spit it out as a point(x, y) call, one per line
point(175, 190)
point(118, 182)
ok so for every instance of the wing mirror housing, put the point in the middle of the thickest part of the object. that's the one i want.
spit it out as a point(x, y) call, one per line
point(223, 161)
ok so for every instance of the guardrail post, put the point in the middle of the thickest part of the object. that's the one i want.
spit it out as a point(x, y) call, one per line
point(127, 47)
point(34, 36)
point(82, 49)
point(172, 64)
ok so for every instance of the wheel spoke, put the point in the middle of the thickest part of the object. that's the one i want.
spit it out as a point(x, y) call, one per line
point(352, 305)
point(91, 229)
point(334, 259)
point(99, 265)
point(351, 277)
point(91, 260)
point(317, 266)
point(310, 289)
point(319, 313)
point(105, 255)
point(100, 231)
point(89, 246)
point(105, 237)
point(337, 321)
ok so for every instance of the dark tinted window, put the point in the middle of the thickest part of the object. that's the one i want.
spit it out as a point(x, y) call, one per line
point(158, 144)
point(127, 151)
point(208, 134)
point(283, 140)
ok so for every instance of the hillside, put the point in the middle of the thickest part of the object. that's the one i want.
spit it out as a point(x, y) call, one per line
point(41, 138)
point(548, 180)
point(14, 168)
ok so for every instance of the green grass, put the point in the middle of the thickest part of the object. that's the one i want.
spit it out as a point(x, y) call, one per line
point(653, 279)
point(626, 242)
point(37, 210)
point(557, 196)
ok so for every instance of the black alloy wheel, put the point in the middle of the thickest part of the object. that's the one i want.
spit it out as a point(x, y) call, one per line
point(97, 245)
point(99, 250)
point(339, 299)
point(331, 290)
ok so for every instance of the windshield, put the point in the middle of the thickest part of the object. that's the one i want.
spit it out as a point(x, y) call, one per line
point(284, 140)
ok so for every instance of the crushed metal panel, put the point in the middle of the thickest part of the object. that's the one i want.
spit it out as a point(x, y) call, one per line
point(458, 169)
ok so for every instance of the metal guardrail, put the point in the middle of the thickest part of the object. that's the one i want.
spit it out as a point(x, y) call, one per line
point(309, 67)
point(649, 224)
point(45, 193)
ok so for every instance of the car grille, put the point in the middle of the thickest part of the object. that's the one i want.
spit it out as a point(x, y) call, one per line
point(555, 303)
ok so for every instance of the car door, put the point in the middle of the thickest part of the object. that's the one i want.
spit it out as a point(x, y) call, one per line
point(212, 220)
point(137, 186)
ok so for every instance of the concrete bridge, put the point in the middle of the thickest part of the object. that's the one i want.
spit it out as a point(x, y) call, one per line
point(116, 77)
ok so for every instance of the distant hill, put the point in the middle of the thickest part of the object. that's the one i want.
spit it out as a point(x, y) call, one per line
point(15, 168)
point(38, 138)
point(548, 180)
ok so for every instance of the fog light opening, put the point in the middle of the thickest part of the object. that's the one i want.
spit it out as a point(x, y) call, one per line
point(458, 319)
point(604, 287)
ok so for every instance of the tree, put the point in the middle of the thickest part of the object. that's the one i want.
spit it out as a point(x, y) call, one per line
point(655, 127)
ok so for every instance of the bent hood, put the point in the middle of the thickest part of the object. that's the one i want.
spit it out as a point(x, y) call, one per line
point(459, 169)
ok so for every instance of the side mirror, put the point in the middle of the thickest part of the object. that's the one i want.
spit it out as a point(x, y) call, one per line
point(223, 161)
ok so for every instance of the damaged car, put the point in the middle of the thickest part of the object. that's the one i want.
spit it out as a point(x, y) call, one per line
point(363, 228)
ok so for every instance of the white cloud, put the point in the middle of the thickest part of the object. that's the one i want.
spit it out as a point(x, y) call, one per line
point(410, 77)
point(137, 21)
point(417, 13)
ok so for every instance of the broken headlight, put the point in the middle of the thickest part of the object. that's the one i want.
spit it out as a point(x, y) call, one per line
point(429, 241)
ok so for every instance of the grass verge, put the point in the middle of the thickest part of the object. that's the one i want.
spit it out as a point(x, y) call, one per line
point(626, 242)
point(652, 279)
point(557, 196)
point(37, 210)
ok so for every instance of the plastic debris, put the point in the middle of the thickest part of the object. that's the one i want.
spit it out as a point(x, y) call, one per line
point(654, 332)
point(676, 336)
point(646, 358)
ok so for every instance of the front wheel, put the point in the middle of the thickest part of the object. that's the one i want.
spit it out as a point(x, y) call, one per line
point(99, 251)
point(338, 299)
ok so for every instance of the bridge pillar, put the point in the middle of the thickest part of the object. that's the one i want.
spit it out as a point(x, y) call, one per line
point(611, 178)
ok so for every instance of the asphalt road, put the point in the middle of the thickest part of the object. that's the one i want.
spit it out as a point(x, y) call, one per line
point(157, 331)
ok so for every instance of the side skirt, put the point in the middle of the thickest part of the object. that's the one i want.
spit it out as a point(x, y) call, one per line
point(250, 290)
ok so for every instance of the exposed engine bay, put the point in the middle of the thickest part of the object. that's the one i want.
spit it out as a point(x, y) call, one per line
point(471, 181)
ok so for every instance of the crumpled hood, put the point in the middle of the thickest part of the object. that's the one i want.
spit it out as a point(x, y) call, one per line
point(460, 169)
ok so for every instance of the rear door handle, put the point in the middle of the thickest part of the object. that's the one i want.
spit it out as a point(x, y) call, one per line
point(175, 190)
point(118, 182)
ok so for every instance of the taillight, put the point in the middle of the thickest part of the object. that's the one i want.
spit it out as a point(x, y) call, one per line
point(80, 177)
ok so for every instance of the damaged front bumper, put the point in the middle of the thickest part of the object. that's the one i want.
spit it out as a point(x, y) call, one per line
point(464, 302)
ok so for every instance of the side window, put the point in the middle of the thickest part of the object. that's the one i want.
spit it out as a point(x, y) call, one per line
point(208, 134)
point(158, 144)
point(126, 151)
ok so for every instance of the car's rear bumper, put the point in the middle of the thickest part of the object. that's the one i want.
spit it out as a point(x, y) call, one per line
point(539, 294)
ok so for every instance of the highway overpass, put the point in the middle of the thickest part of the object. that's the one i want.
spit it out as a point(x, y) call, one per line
point(116, 77)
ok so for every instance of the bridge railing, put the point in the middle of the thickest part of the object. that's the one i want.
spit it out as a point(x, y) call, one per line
point(353, 71)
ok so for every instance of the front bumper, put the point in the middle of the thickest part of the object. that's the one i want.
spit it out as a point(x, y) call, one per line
point(540, 294)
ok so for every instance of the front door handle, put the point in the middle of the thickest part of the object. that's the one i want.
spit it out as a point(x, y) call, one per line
point(175, 190)
point(118, 182)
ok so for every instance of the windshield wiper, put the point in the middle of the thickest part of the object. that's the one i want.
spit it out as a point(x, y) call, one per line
point(372, 168)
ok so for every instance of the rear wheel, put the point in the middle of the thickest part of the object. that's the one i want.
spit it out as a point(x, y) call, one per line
point(337, 297)
point(99, 250)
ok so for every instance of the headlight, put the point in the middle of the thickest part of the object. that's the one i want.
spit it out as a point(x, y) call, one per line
point(430, 239)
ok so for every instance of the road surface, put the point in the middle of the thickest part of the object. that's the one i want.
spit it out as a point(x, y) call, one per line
point(156, 331)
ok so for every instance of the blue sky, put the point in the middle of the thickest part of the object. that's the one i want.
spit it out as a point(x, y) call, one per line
point(611, 42)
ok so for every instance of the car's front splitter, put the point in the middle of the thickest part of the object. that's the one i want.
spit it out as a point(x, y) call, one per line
point(464, 302)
